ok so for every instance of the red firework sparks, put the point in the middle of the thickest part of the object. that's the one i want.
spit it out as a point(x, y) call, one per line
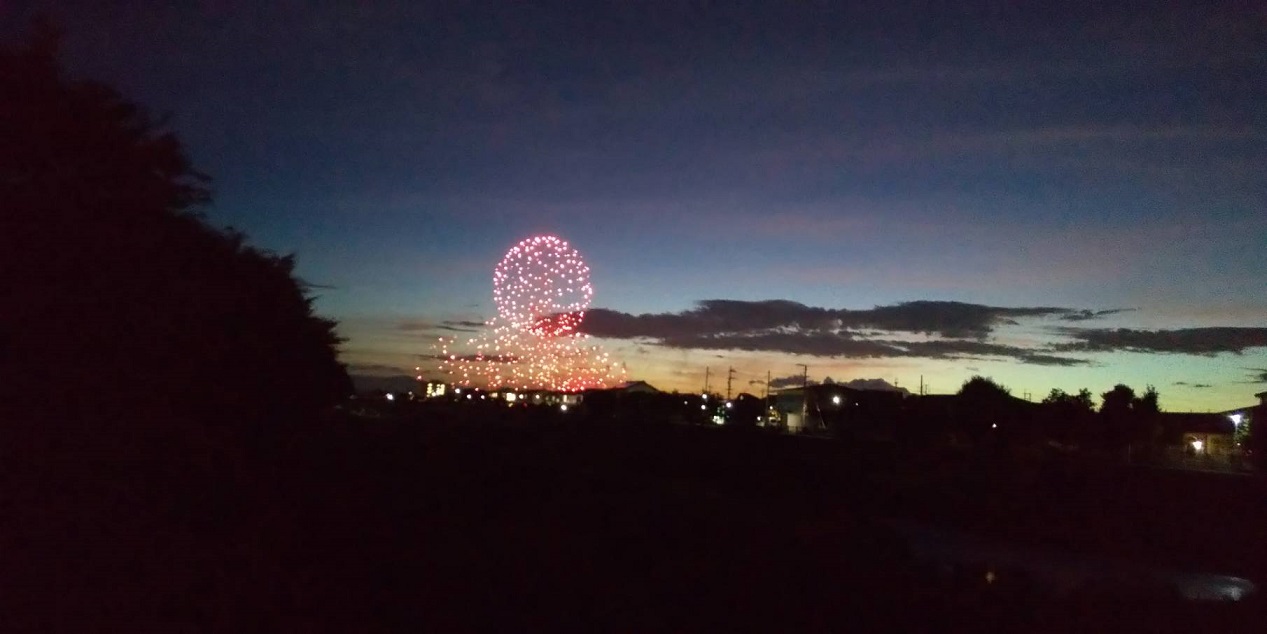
point(542, 286)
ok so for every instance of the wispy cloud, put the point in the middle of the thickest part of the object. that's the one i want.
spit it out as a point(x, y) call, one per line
point(451, 325)
point(461, 325)
point(1199, 386)
point(414, 325)
point(1085, 315)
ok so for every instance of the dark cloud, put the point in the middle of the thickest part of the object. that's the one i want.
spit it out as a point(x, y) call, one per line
point(948, 319)
point(827, 344)
point(1050, 359)
point(1202, 341)
point(1086, 315)
point(793, 328)
point(721, 316)
point(793, 380)
point(1258, 375)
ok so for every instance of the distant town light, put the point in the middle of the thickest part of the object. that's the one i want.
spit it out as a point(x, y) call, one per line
point(994, 425)
point(705, 396)
point(1197, 445)
point(835, 400)
point(1237, 418)
point(391, 397)
point(729, 405)
point(563, 407)
point(458, 391)
point(703, 407)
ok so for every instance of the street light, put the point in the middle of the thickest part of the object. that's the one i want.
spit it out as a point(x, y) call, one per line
point(835, 400)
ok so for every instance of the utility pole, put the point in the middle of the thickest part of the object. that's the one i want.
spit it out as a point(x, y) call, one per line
point(767, 385)
point(921, 385)
point(705, 380)
point(730, 376)
point(804, 394)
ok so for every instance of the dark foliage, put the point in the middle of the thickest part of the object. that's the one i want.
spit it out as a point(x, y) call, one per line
point(980, 389)
point(1068, 418)
point(147, 361)
point(118, 295)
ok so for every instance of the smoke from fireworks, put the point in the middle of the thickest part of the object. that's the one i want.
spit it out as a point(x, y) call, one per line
point(541, 289)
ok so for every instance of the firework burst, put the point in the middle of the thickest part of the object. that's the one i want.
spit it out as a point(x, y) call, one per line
point(541, 289)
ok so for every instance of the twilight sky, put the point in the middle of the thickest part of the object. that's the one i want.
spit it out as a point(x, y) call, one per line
point(1055, 198)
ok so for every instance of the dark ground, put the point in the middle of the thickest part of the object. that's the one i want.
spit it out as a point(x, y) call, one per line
point(442, 523)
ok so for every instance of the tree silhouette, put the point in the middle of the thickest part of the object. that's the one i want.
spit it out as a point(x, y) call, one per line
point(985, 389)
point(987, 408)
point(1145, 429)
point(1131, 421)
point(1068, 414)
point(1072, 403)
point(147, 359)
point(119, 296)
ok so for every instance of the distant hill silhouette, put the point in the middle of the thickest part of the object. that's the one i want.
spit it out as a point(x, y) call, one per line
point(874, 384)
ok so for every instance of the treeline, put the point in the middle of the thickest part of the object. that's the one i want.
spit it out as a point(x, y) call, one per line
point(1126, 426)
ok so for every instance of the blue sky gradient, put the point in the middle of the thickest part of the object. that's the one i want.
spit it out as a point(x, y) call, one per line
point(1008, 155)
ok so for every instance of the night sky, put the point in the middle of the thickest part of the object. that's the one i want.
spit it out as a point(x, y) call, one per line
point(1055, 198)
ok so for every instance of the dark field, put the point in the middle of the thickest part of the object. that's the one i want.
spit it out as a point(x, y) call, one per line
point(435, 522)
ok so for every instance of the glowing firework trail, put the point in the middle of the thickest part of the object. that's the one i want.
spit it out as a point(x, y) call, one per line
point(541, 289)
